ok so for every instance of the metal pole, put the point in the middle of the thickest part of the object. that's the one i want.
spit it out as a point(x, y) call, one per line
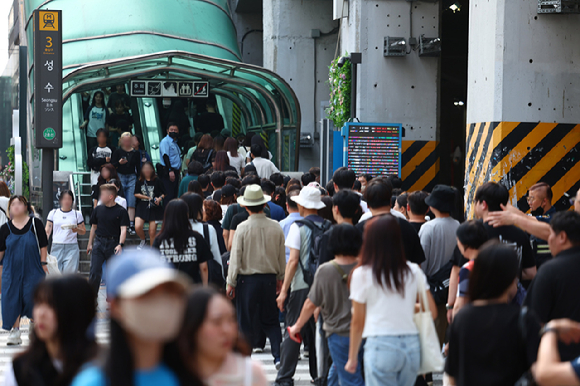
point(23, 96)
point(47, 171)
point(355, 59)
point(16, 141)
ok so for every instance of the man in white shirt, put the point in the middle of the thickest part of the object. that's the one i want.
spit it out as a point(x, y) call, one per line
point(265, 168)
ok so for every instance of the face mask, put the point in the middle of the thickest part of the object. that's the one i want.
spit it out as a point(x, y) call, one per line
point(538, 212)
point(156, 318)
point(173, 134)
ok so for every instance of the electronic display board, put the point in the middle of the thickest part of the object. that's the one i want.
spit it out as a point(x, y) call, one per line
point(373, 148)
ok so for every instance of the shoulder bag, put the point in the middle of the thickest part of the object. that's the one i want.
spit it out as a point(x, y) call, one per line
point(51, 261)
point(431, 358)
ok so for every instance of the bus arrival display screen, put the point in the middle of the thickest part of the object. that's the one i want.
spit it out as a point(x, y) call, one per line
point(374, 148)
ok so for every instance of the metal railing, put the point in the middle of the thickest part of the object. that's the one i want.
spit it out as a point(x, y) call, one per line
point(76, 186)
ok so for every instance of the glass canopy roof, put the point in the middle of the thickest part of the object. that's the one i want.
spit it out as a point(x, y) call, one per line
point(108, 41)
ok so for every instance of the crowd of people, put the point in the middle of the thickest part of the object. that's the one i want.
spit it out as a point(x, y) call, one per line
point(342, 266)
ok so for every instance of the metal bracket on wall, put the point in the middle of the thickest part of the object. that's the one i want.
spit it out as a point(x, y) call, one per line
point(559, 6)
point(395, 46)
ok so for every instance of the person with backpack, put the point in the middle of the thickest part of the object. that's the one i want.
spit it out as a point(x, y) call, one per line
point(257, 265)
point(330, 292)
point(298, 279)
point(195, 203)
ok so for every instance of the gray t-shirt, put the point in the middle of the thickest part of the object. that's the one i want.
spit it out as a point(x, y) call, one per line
point(438, 240)
point(330, 292)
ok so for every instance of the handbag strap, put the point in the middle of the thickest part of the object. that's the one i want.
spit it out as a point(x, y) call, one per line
point(423, 301)
point(340, 270)
point(36, 236)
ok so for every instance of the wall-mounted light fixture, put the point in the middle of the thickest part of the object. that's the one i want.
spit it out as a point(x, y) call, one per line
point(395, 46)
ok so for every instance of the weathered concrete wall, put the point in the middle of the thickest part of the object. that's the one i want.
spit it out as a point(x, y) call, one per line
point(301, 60)
point(250, 35)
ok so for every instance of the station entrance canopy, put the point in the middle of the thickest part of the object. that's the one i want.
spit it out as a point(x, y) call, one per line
point(109, 42)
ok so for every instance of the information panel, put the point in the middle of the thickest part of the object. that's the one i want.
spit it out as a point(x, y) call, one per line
point(373, 148)
point(48, 79)
point(170, 88)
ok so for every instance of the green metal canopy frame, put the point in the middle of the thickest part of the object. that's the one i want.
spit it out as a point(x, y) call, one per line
point(108, 41)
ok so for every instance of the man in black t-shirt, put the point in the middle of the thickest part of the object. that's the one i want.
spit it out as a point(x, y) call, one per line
point(417, 209)
point(489, 198)
point(109, 223)
point(378, 197)
point(554, 292)
point(210, 120)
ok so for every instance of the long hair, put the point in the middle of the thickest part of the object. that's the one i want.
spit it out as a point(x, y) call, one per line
point(195, 204)
point(195, 315)
point(112, 174)
point(120, 367)
point(222, 161)
point(176, 225)
point(206, 142)
point(73, 302)
point(231, 145)
point(93, 102)
point(383, 252)
point(142, 176)
point(4, 191)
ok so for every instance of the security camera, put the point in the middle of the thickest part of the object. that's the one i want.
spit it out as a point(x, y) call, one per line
point(342, 61)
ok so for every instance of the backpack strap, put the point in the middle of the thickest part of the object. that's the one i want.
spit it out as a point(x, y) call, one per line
point(206, 234)
point(340, 270)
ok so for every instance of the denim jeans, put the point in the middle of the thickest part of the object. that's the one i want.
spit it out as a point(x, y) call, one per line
point(338, 346)
point(67, 256)
point(392, 360)
point(128, 182)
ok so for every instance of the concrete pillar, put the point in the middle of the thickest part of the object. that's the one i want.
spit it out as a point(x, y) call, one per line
point(523, 105)
point(398, 89)
point(292, 52)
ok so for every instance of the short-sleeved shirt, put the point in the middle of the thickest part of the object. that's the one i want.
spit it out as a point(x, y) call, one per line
point(169, 147)
point(411, 242)
point(235, 209)
point(276, 211)
point(109, 220)
point(330, 292)
point(151, 189)
point(58, 218)
point(464, 273)
point(388, 312)
point(188, 261)
point(238, 219)
point(516, 238)
point(132, 164)
point(160, 375)
point(438, 240)
point(122, 122)
point(486, 346)
point(5, 232)
point(97, 117)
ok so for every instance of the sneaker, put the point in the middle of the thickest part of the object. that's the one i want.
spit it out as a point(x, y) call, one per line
point(258, 350)
point(142, 244)
point(132, 231)
point(14, 337)
point(277, 364)
point(306, 354)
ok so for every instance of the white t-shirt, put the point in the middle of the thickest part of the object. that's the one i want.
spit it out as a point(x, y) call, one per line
point(368, 214)
point(265, 168)
point(237, 162)
point(213, 241)
point(119, 200)
point(387, 311)
point(97, 119)
point(294, 241)
point(59, 218)
point(4, 210)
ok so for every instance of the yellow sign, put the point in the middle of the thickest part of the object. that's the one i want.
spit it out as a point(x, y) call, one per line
point(48, 20)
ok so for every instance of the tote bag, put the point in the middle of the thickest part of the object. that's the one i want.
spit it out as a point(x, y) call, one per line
point(51, 261)
point(431, 358)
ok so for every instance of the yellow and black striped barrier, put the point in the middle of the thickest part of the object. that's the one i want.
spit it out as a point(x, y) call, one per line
point(520, 154)
point(419, 165)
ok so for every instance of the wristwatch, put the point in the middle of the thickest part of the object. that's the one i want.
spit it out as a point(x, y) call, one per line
point(449, 307)
point(547, 328)
point(122, 244)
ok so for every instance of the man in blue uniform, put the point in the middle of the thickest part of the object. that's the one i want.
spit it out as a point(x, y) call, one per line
point(170, 155)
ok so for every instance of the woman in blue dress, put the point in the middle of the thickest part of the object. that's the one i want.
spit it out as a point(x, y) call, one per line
point(23, 245)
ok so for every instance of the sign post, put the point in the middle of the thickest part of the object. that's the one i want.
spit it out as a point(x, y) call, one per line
point(47, 94)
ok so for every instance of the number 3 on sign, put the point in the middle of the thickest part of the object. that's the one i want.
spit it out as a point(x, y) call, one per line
point(48, 42)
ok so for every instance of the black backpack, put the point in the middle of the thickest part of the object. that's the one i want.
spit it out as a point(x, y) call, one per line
point(215, 270)
point(317, 230)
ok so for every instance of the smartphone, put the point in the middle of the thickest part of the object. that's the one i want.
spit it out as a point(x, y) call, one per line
point(298, 336)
